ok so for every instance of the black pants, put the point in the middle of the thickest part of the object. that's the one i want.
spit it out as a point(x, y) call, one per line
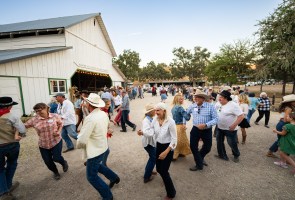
point(261, 113)
point(162, 167)
point(52, 155)
point(195, 136)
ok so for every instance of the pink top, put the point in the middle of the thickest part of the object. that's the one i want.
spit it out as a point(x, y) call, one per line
point(45, 129)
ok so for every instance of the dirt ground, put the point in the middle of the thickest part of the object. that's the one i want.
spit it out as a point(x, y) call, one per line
point(254, 177)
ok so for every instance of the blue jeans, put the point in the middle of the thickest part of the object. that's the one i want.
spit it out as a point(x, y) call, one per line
point(124, 119)
point(232, 141)
point(250, 113)
point(151, 162)
point(275, 146)
point(195, 136)
point(52, 155)
point(105, 157)
point(9, 152)
point(92, 168)
point(69, 130)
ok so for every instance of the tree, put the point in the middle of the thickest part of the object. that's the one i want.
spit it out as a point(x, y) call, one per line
point(277, 42)
point(155, 72)
point(188, 63)
point(232, 62)
point(128, 63)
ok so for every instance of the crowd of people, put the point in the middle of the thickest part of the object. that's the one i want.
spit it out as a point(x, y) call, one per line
point(88, 120)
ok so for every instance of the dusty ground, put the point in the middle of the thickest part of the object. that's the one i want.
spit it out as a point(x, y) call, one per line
point(255, 177)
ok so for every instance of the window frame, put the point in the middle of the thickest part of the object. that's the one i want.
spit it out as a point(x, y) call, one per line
point(51, 92)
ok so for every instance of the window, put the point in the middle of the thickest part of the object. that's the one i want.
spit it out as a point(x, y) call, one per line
point(57, 86)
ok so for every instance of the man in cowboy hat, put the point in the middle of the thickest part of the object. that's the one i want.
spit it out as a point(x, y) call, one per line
point(204, 117)
point(230, 116)
point(93, 139)
point(66, 110)
point(9, 146)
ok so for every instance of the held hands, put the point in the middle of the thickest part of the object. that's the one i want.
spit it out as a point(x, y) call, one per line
point(232, 127)
point(139, 132)
point(201, 126)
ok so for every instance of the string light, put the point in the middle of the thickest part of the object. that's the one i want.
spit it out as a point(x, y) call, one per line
point(92, 73)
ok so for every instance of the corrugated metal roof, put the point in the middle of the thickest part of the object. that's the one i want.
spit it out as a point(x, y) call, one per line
point(17, 54)
point(46, 23)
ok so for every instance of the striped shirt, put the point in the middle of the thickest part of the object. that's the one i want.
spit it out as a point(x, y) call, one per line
point(204, 114)
point(45, 129)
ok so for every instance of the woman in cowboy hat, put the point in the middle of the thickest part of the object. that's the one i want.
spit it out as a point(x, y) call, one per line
point(148, 142)
point(286, 107)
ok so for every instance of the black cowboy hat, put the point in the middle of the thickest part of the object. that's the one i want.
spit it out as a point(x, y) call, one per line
point(6, 101)
point(226, 94)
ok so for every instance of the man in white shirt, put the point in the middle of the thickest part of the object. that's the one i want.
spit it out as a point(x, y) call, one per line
point(93, 139)
point(66, 110)
point(230, 116)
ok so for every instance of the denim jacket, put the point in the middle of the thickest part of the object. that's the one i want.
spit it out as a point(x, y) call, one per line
point(179, 114)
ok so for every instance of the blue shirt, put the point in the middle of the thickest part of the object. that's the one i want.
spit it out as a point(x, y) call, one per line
point(204, 114)
point(106, 95)
point(179, 113)
point(253, 103)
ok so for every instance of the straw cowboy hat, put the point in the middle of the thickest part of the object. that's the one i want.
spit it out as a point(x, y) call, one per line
point(95, 100)
point(201, 94)
point(288, 98)
point(148, 108)
point(226, 88)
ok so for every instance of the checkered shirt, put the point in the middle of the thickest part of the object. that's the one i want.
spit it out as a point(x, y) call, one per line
point(266, 102)
point(45, 129)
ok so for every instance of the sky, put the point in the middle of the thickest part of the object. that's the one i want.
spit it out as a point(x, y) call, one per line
point(153, 28)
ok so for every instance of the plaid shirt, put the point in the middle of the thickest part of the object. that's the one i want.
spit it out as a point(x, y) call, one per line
point(45, 129)
point(204, 114)
point(266, 102)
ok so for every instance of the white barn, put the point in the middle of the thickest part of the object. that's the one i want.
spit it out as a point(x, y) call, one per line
point(40, 58)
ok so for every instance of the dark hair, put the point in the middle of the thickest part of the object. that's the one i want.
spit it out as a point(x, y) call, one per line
point(292, 115)
point(106, 100)
point(251, 94)
point(283, 106)
point(40, 106)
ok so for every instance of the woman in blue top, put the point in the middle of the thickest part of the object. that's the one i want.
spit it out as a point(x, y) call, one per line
point(253, 105)
point(180, 116)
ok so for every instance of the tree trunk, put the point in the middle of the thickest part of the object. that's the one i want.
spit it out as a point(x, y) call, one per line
point(284, 88)
point(293, 90)
point(261, 86)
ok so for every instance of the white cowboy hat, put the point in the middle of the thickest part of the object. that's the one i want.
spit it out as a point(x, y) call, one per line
point(95, 100)
point(226, 88)
point(288, 98)
point(161, 106)
point(149, 107)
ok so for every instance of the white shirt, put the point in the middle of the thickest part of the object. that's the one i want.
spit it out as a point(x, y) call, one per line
point(148, 133)
point(118, 100)
point(227, 114)
point(245, 108)
point(93, 133)
point(67, 112)
point(166, 133)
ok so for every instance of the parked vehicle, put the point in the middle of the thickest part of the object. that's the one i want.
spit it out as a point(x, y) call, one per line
point(250, 84)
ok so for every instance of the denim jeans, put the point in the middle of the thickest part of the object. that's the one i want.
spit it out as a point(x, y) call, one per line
point(163, 166)
point(124, 119)
point(275, 146)
point(105, 157)
point(52, 155)
point(151, 162)
point(9, 152)
point(250, 113)
point(232, 141)
point(195, 136)
point(69, 130)
point(92, 168)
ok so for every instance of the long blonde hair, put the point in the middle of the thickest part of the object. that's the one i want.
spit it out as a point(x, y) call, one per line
point(176, 99)
point(243, 98)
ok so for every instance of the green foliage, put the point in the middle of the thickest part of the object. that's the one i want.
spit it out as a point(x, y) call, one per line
point(128, 63)
point(155, 72)
point(189, 63)
point(277, 42)
point(232, 62)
